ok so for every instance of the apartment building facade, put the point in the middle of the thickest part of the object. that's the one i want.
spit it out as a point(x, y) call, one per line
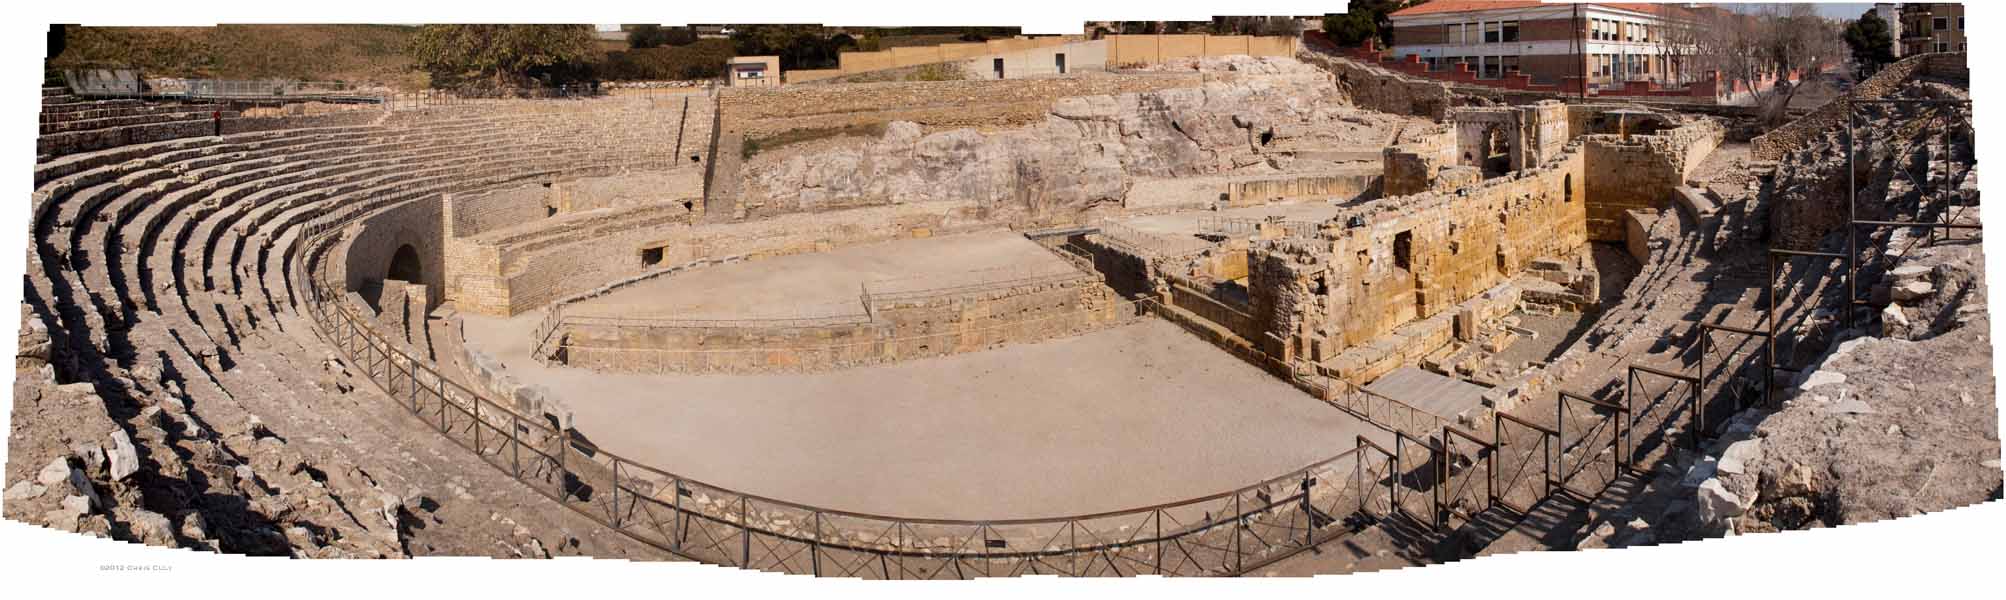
point(1931, 28)
point(1607, 44)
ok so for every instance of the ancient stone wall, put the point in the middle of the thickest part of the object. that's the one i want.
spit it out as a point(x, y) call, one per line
point(1641, 172)
point(372, 244)
point(1334, 187)
point(1411, 166)
point(910, 328)
point(1085, 152)
point(1385, 91)
point(762, 112)
point(481, 212)
point(505, 274)
point(1411, 258)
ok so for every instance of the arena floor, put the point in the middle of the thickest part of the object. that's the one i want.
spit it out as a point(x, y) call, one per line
point(1126, 417)
point(825, 284)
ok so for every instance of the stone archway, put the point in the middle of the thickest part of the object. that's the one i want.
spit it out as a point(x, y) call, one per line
point(406, 266)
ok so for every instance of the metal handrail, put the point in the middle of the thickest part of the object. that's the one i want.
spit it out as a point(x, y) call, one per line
point(344, 327)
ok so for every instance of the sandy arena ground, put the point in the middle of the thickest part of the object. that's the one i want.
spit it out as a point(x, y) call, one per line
point(1132, 416)
point(823, 284)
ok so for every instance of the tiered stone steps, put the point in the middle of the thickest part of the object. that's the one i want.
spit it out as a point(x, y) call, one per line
point(167, 266)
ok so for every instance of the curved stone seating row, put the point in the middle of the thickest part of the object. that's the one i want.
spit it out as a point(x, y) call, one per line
point(162, 268)
point(179, 271)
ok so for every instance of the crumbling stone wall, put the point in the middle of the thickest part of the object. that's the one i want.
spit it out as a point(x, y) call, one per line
point(1411, 166)
point(1084, 153)
point(1797, 134)
point(760, 112)
point(1641, 172)
point(1380, 266)
point(1385, 91)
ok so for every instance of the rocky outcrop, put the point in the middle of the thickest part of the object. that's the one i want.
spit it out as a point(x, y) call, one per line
point(1088, 151)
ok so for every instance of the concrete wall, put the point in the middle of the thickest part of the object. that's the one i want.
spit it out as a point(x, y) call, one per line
point(1131, 50)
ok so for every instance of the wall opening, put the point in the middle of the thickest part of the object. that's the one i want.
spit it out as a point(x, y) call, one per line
point(1403, 250)
point(1567, 188)
point(997, 65)
point(651, 256)
point(405, 266)
point(1059, 60)
point(1497, 152)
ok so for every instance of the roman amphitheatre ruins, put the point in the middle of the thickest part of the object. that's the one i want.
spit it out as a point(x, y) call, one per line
point(1278, 313)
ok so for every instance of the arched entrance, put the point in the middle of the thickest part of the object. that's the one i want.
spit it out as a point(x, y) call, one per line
point(405, 266)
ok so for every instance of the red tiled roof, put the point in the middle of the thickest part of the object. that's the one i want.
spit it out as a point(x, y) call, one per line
point(1449, 6)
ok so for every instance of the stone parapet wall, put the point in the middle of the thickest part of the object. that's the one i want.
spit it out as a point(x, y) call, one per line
point(507, 272)
point(938, 325)
point(1335, 187)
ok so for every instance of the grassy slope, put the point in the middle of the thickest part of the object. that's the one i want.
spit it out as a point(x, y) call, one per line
point(371, 54)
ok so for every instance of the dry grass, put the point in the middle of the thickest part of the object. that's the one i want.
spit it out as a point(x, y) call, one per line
point(364, 54)
point(755, 146)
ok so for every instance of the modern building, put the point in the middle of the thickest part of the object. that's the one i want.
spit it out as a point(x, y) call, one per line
point(1891, 13)
point(1931, 28)
point(754, 71)
point(1606, 43)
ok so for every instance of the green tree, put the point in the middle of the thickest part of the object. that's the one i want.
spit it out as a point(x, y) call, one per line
point(1363, 19)
point(1872, 44)
point(501, 55)
point(646, 36)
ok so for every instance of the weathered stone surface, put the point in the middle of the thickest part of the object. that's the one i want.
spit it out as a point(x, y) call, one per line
point(1716, 504)
point(124, 457)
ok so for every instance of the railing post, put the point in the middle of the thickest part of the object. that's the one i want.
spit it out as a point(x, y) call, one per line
point(744, 532)
point(1239, 519)
point(1159, 541)
point(563, 448)
point(815, 547)
point(616, 492)
point(676, 542)
point(1309, 516)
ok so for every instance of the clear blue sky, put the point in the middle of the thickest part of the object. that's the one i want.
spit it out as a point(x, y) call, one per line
point(1832, 10)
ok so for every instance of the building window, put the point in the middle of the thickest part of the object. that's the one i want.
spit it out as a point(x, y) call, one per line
point(1940, 24)
point(1508, 64)
point(1960, 23)
point(1942, 47)
point(1510, 31)
point(1491, 32)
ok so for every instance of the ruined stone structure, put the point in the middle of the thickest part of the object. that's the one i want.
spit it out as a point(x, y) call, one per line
point(306, 339)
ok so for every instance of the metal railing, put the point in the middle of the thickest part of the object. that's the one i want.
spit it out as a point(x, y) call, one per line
point(1219, 534)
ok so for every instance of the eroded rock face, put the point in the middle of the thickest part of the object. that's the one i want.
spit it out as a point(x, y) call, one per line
point(1087, 152)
